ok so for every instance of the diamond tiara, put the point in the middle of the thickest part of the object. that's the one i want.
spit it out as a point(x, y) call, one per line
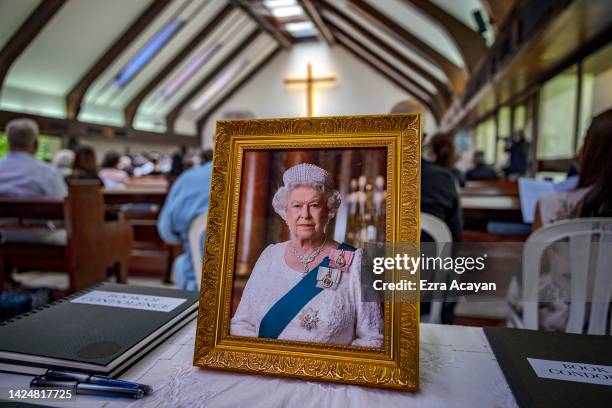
point(306, 173)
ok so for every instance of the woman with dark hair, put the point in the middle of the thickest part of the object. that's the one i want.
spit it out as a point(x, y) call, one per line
point(596, 168)
point(85, 166)
point(591, 198)
point(443, 149)
point(593, 195)
point(111, 175)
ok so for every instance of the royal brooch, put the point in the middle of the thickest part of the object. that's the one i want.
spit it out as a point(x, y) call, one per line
point(309, 318)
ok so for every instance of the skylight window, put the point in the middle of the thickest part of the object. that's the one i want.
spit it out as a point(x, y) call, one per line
point(283, 12)
point(147, 52)
point(190, 70)
point(218, 85)
point(271, 4)
point(301, 29)
point(301, 26)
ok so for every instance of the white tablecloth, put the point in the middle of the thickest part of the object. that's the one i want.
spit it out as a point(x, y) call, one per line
point(458, 369)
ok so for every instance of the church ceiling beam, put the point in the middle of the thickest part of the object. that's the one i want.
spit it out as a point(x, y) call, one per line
point(201, 121)
point(93, 131)
point(470, 44)
point(175, 112)
point(26, 33)
point(443, 90)
point(386, 75)
point(376, 66)
point(456, 76)
point(132, 107)
point(429, 100)
point(498, 11)
point(264, 24)
point(314, 16)
point(77, 93)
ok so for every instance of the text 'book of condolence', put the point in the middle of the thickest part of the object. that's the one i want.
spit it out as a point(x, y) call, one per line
point(550, 369)
point(101, 330)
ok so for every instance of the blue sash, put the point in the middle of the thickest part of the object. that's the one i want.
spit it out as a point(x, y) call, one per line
point(287, 307)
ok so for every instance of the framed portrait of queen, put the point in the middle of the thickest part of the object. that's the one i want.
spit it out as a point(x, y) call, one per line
point(285, 288)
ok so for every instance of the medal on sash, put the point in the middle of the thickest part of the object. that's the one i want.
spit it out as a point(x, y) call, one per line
point(340, 259)
point(328, 278)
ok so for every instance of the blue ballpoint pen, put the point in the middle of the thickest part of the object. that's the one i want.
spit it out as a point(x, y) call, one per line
point(95, 379)
point(87, 389)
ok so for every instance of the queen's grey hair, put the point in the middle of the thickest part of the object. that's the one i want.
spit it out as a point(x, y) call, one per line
point(333, 198)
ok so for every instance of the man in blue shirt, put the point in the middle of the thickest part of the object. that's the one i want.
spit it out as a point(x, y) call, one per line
point(21, 174)
point(187, 199)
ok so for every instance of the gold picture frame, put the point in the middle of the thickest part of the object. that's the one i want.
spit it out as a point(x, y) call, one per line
point(396, 364)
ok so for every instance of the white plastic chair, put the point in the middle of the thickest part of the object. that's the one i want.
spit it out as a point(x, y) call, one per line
point(197, 228)
point(579, 232)
point(440, 233)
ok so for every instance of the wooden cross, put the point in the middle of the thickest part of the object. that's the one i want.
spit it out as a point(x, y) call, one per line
point(309, 81)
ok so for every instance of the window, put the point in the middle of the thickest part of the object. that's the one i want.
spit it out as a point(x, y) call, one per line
point(557, 115)
point(485, 139)
point(47, 146)
point(596, 94)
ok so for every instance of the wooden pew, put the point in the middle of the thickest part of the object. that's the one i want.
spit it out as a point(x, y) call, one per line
point(149, 252)
point(484, 201)
point(94, 247)
point(489, 200)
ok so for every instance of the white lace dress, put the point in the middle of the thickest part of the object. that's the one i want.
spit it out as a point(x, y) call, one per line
point(332, 316)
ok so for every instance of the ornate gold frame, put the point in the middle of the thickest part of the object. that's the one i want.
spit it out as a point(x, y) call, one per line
point(394, 366)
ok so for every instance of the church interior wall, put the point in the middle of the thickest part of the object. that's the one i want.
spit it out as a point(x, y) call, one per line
point(358, 90)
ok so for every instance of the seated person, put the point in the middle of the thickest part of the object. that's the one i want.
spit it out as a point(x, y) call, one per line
point(85, 166)
point(21, 174)
point(591, 198)
point(443, 150)
point(439, 197)
point(481, 170)
point(187, 199)
point(308, 288)
point(62, 160)
point(111, 175)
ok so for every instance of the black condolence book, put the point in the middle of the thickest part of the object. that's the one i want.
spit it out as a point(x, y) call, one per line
point(574, 361)
point(101, 330)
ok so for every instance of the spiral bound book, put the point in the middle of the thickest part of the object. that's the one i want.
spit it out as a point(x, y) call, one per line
point(551, 369)
point(101, 330)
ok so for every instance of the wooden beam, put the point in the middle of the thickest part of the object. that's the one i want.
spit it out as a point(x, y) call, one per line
point(443, 90)
point(77, 93)
point(26, 33)
point(456, 76)
point(498, 11)
point(386, 75)
point(71, 127)
point(349, 41)
point(174, 113)
point(470, 44)
point(314, 16)
point(204, 117)
point(132, 107)
point(264, 24)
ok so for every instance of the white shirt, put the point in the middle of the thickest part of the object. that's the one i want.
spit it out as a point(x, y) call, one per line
point(22, 175)
point(343, 317)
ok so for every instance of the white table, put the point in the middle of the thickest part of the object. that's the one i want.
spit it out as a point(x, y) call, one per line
point(458, 369)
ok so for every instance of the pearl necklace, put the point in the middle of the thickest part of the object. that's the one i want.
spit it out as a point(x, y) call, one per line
point(308, 258)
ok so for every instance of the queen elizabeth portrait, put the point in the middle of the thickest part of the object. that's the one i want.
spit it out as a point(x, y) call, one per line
point(308, 288)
